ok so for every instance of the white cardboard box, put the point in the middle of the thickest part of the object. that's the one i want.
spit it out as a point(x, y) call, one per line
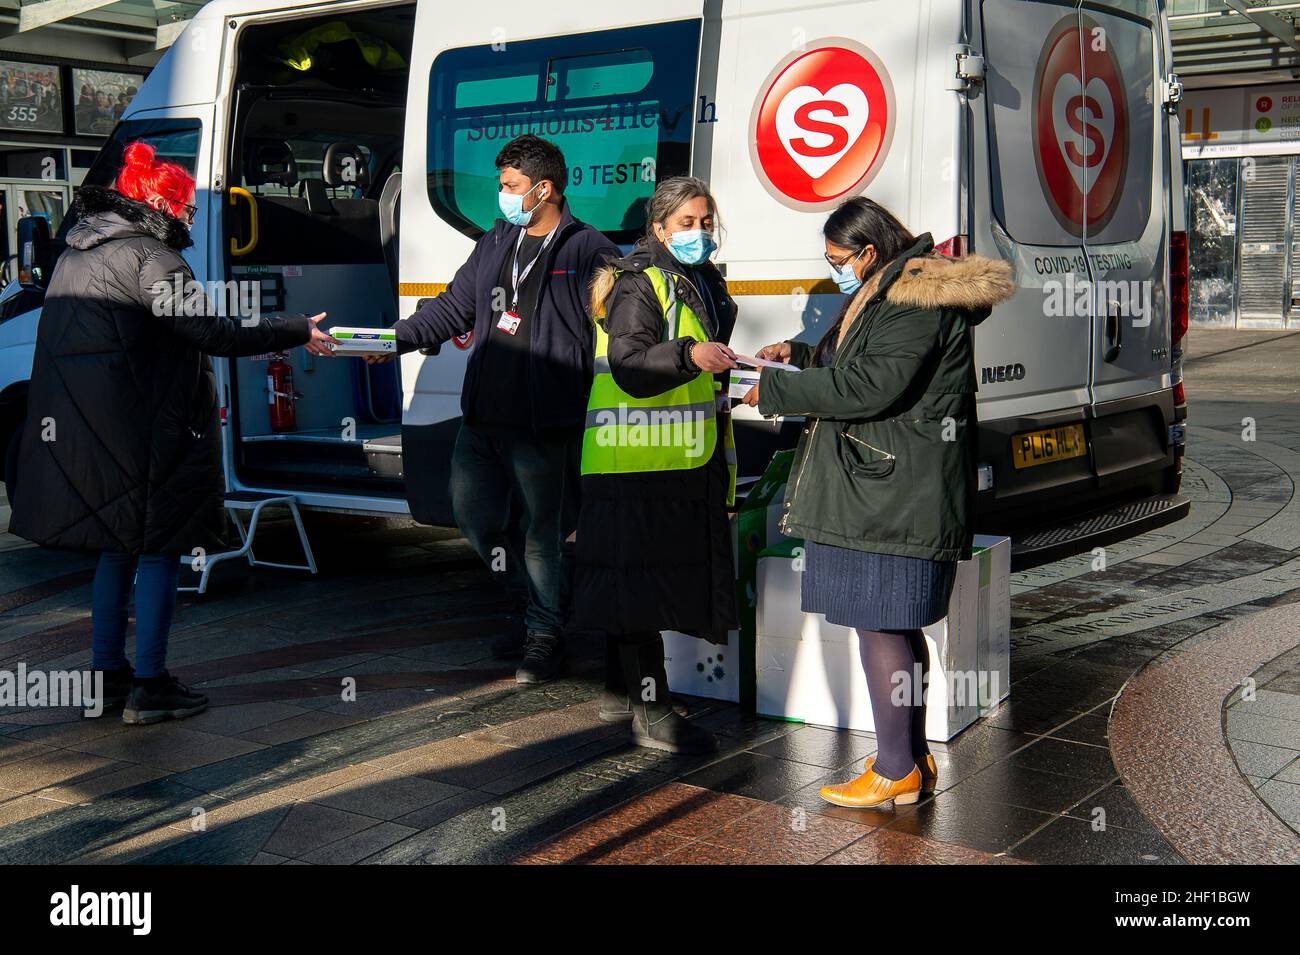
point(809, 670)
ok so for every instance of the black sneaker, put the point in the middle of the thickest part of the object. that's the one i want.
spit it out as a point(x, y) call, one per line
point(543, 659)
point(510, 645)
point(116, 688)
point(162, 698)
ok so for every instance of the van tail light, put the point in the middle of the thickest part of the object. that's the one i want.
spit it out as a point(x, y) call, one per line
point(1179, 309)
point(223, 415)
point(954, 248)
point(1179, 303)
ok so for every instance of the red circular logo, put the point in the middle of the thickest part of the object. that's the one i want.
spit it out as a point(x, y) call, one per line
point(1080, 127)
point(1263, 104)
point(463, 341)
point(822, 125)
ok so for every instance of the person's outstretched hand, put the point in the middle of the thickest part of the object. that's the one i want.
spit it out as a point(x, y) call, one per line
point(778, 352)
point(320, 342)
point(713, 356)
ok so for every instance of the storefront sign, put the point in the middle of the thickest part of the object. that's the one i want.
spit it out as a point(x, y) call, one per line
point(31, 97)
point(1241, 121)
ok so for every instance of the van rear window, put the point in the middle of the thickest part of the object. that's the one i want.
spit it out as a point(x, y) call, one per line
point(619, 103)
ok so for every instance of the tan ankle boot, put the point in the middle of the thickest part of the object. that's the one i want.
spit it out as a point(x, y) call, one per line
point(929, 772)
point(873, 791)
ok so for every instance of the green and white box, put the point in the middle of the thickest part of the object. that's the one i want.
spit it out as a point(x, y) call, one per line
point(364, 341)
point(809, 670)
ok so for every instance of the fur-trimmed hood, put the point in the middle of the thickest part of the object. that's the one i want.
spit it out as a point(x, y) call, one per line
point(922, 278)
point(104, 214)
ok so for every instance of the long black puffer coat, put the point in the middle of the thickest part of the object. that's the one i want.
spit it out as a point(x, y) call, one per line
point(654, 550)
point(121, 446)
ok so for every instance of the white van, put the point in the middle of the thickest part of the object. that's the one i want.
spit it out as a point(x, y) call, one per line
point(1033, 130)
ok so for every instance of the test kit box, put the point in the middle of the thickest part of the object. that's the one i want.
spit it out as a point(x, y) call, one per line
point(742, 379)
point(809, 670)
point(364, 341)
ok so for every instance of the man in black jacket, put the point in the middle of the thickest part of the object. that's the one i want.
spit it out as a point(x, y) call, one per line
point(524, 294)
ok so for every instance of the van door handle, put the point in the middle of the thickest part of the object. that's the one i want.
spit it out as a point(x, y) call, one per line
point(237, 250)
point(1114, 331)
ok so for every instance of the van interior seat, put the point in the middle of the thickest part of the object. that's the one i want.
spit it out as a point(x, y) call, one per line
point(312, 227)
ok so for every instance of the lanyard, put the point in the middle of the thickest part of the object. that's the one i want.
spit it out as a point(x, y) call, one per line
point(516, 278)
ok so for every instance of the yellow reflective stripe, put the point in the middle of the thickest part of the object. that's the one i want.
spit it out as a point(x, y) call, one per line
point(734, 288)
point(705, 410)
point(422, 289)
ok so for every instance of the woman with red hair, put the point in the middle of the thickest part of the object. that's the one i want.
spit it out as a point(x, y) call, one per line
point(120, 453)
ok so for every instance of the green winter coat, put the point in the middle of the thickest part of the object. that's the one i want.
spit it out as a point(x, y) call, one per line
point(886, 462)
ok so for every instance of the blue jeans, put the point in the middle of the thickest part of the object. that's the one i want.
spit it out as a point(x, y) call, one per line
point(515, 496)
point(155, 602)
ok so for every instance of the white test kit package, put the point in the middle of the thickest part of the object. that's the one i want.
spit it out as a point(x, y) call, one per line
point(742, 379)
point(809, 670)
point(364, 341)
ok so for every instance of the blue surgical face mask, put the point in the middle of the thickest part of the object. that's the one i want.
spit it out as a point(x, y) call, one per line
point(845, 277)
point(692, 247)
point(512, 207)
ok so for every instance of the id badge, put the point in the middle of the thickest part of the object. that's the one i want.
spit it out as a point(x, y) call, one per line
point(509, 322)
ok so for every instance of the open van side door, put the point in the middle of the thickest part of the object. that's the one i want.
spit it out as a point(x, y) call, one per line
point(612, 84)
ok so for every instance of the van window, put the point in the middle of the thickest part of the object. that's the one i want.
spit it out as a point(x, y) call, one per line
point(1071, 121)
point(174, 140)
point(619, 103)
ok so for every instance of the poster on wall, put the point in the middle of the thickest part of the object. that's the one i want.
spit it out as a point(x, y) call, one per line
point(31, 97)
point(1241, 120)
point(101, 97)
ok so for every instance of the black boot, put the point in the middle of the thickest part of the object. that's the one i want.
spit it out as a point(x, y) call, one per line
point(613, 703)
point(116, 688)
point(543, 659)
point(161, 698)
point(655, 722)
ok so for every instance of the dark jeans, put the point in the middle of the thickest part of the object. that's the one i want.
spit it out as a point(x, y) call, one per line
point(515, 496)
point(155, 602)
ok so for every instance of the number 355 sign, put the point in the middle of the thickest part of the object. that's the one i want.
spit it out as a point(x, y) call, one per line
point(31, 97)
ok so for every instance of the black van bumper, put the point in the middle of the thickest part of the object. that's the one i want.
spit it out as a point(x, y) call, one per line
point(1125, 485)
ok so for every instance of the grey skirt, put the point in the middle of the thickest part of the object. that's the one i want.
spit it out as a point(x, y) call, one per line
point(866, 591)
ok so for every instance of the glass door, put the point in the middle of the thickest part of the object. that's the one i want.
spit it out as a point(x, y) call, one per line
point(19, 199)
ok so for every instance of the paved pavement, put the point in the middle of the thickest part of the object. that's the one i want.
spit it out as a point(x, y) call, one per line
point(1154, 714)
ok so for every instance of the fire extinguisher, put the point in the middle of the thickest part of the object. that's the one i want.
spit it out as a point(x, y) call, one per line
point(280, 395)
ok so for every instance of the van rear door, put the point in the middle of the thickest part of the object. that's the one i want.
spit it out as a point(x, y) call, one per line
point(1033, 354)
point(612, 84)
point(1124, 228)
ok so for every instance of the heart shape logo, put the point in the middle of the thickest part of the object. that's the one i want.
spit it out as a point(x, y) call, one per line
point(822, 124)
point(1083, 120)
point(817, 128)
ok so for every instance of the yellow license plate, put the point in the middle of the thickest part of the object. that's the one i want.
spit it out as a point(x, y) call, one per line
point(1043, 447)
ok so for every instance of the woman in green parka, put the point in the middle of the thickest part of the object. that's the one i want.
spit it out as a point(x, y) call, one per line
point(883, 484)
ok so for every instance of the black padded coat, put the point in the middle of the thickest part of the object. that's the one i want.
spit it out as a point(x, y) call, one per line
point(121, 445)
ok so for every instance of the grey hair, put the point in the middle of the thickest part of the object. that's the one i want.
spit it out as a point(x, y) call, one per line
point(670, 195)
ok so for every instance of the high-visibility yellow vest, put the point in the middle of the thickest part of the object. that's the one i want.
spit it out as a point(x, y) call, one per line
point(675, 430)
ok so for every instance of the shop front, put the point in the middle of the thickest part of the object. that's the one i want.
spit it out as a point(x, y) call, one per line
point(53, 118)
point(1241, 147)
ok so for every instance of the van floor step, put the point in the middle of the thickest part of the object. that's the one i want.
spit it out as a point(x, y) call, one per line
point(1122, 521)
